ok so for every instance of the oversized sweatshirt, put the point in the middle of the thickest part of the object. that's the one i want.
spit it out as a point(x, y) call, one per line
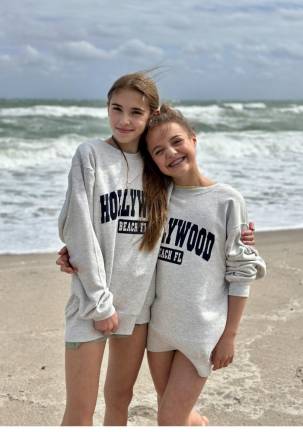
point(101, 223)
point(201, 261)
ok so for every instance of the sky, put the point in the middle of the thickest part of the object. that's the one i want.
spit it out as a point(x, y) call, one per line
point(203, 49)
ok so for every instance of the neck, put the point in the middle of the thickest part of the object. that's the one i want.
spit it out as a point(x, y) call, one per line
point(193, 179)
point(131, 147)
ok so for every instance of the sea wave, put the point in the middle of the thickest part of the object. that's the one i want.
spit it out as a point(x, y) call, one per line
point(16, 153)
point(54, 111)
point(251, 144)
point(28, 153)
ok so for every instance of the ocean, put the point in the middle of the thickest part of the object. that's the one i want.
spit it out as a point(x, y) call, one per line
point(257, 147)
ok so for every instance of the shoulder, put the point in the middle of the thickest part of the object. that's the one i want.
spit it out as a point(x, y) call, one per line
point(91, 153)
point(229, 193)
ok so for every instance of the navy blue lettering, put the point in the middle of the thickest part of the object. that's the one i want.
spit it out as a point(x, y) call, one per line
point(192, 237)
point(104, 208)
point(200, 241)
point(171, 226)
point(209, 246)
point(125, 208)
point(113, 205)
point(182, 231)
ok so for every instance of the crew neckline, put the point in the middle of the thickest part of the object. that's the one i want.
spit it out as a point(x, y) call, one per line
point(128, 155)
point(198, 189)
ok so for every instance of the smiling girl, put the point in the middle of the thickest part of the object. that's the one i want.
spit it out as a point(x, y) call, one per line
point(203, 271)
point(101, 223)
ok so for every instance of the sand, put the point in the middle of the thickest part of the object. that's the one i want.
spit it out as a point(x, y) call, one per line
point(264, 385)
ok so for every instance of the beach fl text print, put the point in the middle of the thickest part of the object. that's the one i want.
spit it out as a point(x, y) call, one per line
point(187, 235)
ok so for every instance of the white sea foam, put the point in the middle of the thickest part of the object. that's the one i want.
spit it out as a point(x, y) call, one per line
point(54, 111)
point(295, 109)
point(16, 153)
point(235, 106)
point(250, 144)
point(210, 114)
point(255, 105)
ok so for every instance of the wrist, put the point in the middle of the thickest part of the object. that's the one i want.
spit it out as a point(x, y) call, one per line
point(230, 333)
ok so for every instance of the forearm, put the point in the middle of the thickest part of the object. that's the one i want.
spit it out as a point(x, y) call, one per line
point(236, 306)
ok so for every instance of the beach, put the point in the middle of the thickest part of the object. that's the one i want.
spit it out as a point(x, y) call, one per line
point(263, 387)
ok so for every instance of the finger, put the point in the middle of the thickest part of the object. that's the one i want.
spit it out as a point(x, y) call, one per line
point(67, 269)
point(63, 250)
point(247, 233)
point(65, 259)
point(115, 328)
point(216, 365)
point(251, 226)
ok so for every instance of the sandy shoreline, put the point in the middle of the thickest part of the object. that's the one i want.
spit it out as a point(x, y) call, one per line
point(264, 386)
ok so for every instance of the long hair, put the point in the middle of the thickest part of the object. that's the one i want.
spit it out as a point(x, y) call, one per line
point(143, 84)
point(155, 184)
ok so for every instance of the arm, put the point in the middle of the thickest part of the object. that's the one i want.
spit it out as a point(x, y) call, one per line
point(243, 265)
point(77, 232)
point(223, 352)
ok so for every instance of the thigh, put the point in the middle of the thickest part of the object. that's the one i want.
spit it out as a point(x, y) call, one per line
point(124, 360)
point(82, 372)
point(183, 388)
point(160, 365)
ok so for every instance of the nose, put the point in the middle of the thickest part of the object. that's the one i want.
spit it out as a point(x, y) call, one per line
point(124, 120)
point(171, 152)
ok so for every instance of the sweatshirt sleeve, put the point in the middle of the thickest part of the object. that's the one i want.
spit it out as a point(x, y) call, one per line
point(77, 232)
point(243, 263)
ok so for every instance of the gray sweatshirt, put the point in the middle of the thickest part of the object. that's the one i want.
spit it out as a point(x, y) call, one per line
point(101, 223)
point(201, 261)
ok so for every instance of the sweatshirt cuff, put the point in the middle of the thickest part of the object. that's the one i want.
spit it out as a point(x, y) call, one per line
point(104, 315)
point(239, 289)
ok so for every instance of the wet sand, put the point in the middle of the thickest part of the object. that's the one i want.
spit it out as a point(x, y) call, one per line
point(264, 386)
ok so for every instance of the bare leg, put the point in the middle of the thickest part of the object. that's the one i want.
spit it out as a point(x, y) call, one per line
point(125, 358)
point(82, 372)
point(175, 374)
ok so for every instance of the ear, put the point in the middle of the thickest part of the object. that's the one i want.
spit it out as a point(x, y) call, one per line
point(194, 138)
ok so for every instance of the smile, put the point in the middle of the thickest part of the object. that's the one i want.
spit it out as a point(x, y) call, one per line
point(124, 130)
point(176, 162)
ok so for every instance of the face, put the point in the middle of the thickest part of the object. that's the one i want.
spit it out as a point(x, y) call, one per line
point(173, 151)
point(128, 113)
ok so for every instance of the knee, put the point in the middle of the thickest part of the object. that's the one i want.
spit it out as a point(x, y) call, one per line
point(118, 397)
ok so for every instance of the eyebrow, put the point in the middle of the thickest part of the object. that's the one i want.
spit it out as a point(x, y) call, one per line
point(133, 108)
point(174, 137)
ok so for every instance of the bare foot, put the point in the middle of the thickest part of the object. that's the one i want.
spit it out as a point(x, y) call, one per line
point(195, 419)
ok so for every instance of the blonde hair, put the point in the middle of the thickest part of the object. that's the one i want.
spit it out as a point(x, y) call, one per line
point(155, 183)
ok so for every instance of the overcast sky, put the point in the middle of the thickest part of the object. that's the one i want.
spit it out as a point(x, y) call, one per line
point(206, 49)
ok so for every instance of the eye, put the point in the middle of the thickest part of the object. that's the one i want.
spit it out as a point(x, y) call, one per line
point(158, 152)
point(178, 141)
point(138, 113)
point(115, 108)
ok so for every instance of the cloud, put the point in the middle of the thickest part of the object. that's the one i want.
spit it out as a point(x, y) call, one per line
point(136, 47)
point(82, 50)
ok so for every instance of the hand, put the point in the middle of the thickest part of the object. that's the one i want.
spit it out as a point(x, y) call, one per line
point(108, 325)
point(63, 261)
point(223, 352)
point(248, 236)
